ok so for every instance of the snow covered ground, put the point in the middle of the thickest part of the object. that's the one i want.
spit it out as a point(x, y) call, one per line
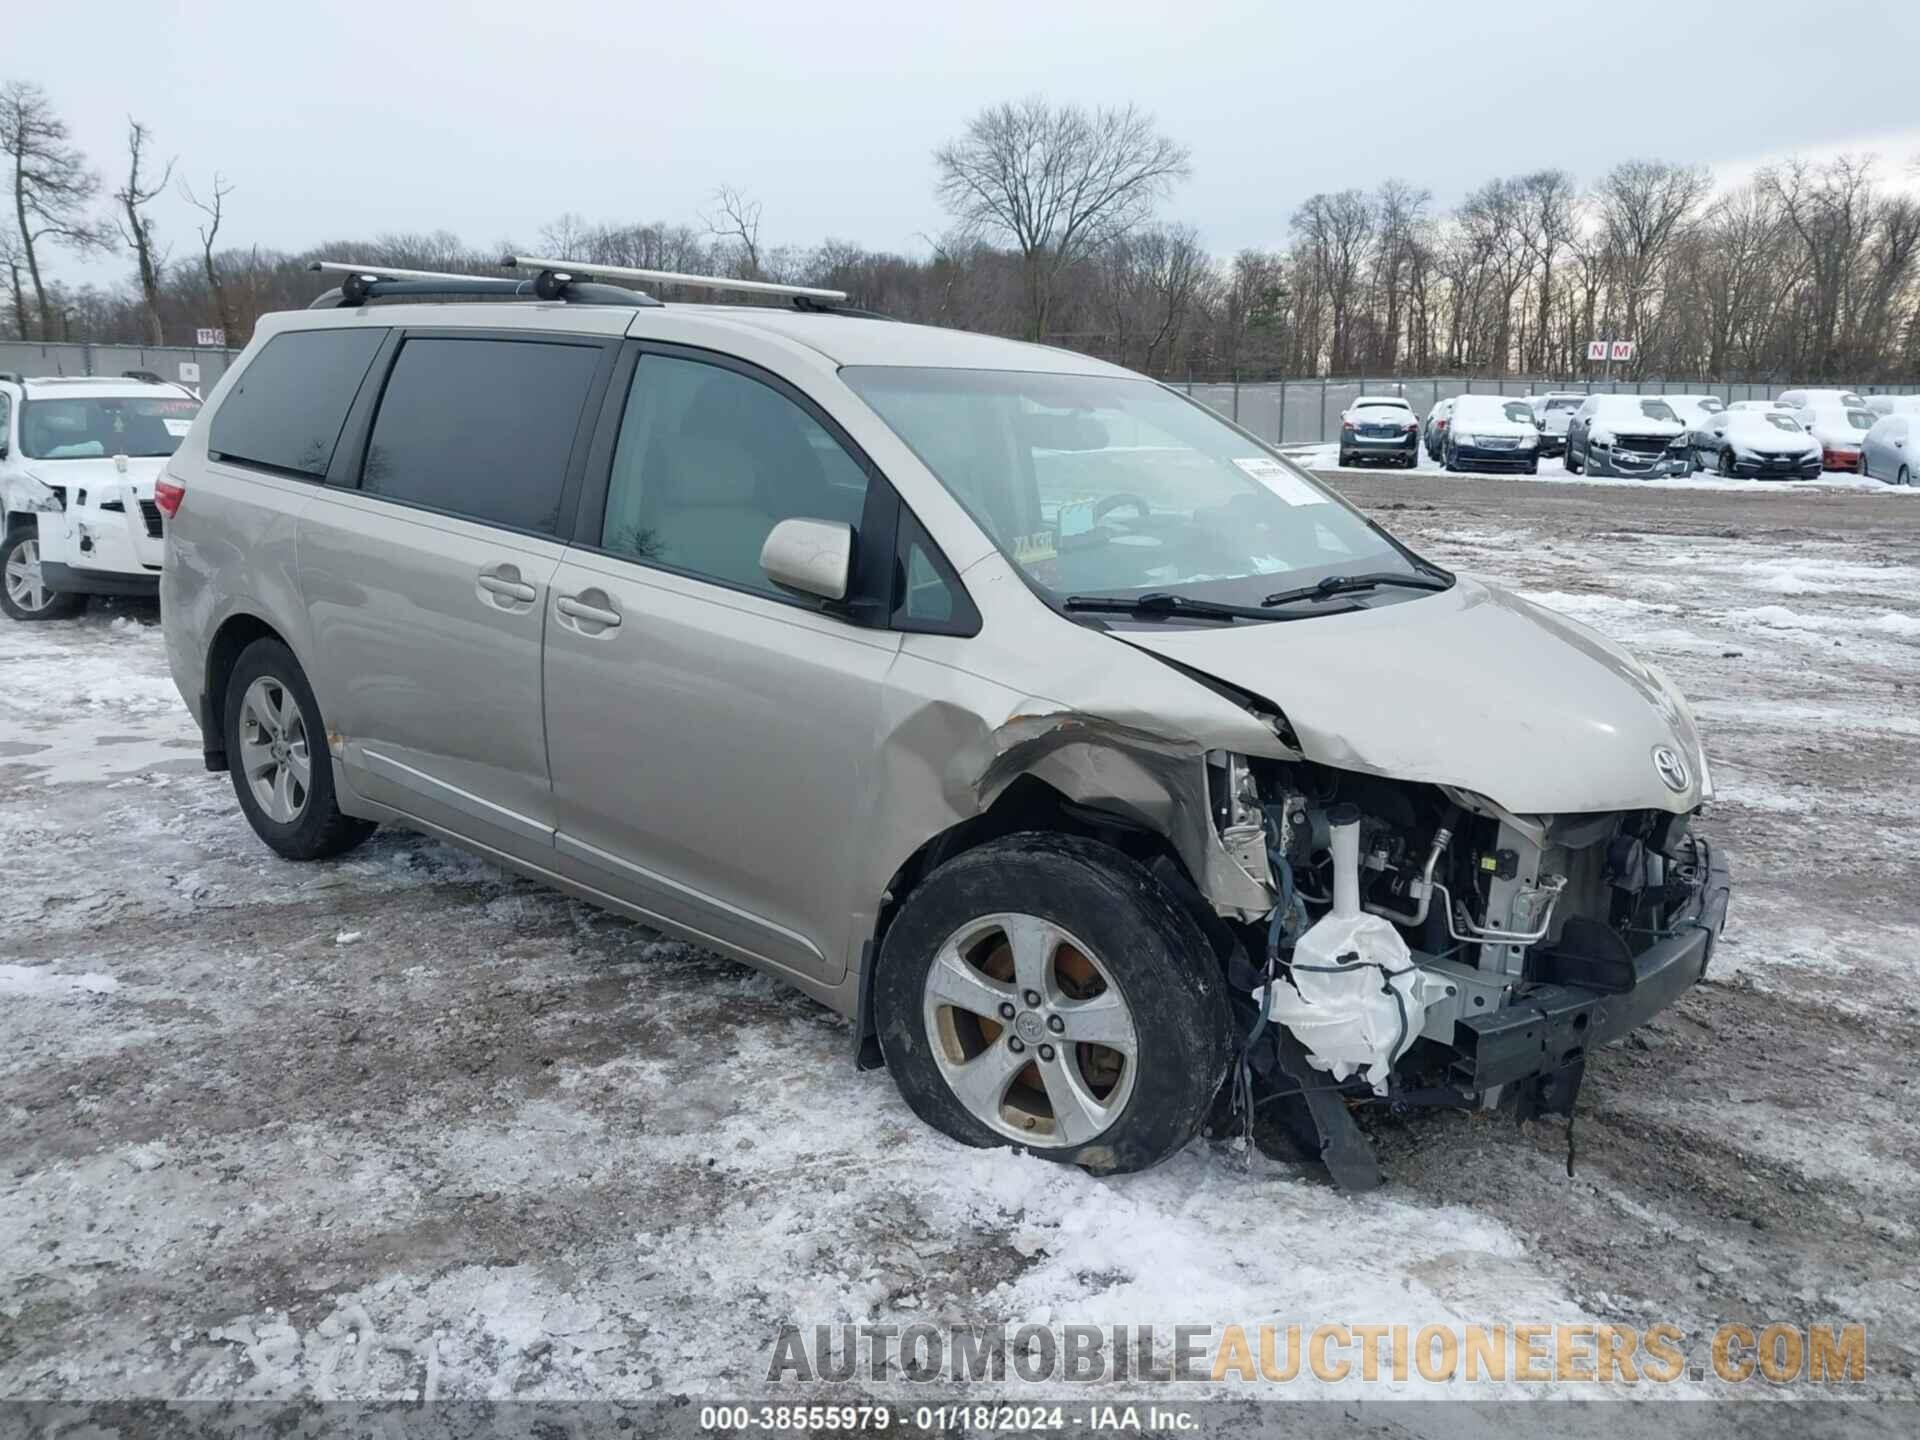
point(403, 1124)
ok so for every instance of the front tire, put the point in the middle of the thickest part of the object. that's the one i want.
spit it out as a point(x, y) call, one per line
point(278, 757)
point(1727, 470)
point(1046, 992)
point(25, 595)
point(1905, 477)
point(1572, 465)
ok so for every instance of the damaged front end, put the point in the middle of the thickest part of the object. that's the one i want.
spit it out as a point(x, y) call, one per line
point(1428, 947)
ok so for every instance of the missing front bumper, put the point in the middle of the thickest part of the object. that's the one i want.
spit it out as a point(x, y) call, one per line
point(1552, 1028)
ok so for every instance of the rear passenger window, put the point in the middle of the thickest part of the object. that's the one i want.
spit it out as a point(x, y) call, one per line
point(286, 409)
point(709, 461)
point(481, 428)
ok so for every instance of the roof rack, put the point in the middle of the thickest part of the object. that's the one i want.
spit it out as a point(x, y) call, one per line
point(804, 296)
point(361, 283)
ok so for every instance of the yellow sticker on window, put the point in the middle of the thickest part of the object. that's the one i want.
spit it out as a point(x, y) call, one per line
point(1040, 545)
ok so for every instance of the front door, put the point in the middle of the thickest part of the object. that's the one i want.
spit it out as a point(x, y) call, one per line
point(712, 740)
point(427, 585)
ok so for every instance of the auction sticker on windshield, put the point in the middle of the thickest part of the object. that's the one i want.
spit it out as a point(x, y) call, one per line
point(1280, 480)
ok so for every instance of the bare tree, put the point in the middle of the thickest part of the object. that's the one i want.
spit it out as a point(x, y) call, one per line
point(136, 226)
point(735, 223)
point(214, 208)
point(1645, 207)
point(1057, 182)
point(52, 186)
point(13, 256)
point(1334, 239)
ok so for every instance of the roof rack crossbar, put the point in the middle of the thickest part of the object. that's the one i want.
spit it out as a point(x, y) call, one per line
point(361, 283)
point(580, 270)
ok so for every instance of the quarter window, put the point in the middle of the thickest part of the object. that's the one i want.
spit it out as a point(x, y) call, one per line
point(708, 461)
point(481, 428)
point(286, 409)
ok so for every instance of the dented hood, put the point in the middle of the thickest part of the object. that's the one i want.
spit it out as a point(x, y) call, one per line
point(1472, 687)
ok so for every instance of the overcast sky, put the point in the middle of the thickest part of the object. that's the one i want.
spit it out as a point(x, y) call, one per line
point(490, 119)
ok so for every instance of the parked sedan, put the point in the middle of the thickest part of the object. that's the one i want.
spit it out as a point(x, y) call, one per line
point(1839, 429)
point(1380, 427)
point(1696, 412)
point(1436, 427)
point(1637, 436)
point(1812, 399)
point(1491, 432)
point(1894, 404)
point(1553, 410)
point(1884, 449)
point(1758, 444)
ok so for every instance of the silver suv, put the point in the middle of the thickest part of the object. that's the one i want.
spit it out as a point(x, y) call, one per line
point(1070, 740)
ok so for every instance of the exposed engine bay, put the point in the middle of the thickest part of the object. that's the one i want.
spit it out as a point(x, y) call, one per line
point(1429, 948)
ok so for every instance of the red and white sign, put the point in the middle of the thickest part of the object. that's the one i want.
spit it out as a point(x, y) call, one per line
point(1596, 350)
point(1623, 349)
point(210, 338)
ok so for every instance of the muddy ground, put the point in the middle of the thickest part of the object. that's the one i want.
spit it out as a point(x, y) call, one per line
point(402, 1124)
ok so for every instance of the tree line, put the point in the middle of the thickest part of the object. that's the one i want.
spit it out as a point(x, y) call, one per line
point(1060, 231)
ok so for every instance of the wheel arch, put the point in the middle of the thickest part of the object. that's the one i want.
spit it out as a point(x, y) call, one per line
point(230, 640)
point(1029, 804)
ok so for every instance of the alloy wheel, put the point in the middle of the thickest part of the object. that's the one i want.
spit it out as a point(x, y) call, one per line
point(26, 581)
point(274, 752)
point(1030, 1031)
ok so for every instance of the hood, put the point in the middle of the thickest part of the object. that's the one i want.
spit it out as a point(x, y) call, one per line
point(98, 470)
point(1636, 425)
point(1473, 687)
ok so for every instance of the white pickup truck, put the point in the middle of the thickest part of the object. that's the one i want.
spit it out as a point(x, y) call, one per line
point(78, 458)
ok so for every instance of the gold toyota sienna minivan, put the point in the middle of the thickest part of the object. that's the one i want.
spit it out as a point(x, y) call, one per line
point(1074, 743)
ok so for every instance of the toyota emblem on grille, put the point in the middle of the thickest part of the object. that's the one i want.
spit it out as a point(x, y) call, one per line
point(1673, 770)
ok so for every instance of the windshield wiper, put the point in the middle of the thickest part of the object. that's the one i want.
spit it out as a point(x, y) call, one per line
point(1156, 603)
point(1344, 584)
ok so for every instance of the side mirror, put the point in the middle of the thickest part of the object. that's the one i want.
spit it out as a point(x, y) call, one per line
point(810, 557)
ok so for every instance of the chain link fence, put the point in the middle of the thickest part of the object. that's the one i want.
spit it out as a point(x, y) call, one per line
point(1307, 412)
point(32, 357)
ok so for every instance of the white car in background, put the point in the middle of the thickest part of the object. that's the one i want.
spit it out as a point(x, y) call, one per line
point(1553, 409)
point(1887, 450)
point(1813, 399)
point(1894, 404)
point(78, 458)
point(1380, 427)
point(1696, 412)
point(1760, 406)
point(1757, 444)
point(1839, 429)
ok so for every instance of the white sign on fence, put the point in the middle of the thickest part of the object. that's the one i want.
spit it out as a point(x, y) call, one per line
point(213, 339)
point(189, 372)
point(1623, 349)
point(1596, 349)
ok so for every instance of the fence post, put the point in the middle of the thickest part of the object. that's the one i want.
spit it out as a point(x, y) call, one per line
point(1281, 437)
point(1321, 438)
point(86, 358)
point(1236, 396)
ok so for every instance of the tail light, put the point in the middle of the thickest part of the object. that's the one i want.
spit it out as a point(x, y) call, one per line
point(167, 495)
point(1439, 424)
point(1412, 425)
point(1346, 425)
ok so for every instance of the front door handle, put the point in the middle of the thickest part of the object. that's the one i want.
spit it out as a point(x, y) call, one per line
point(575, 608)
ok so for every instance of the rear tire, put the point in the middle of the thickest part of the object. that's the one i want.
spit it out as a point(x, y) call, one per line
point(1572, 465)
point(23, 590)
point(1068, 923)
point(1727, 470)
point(1905, 477)
point(277, 754)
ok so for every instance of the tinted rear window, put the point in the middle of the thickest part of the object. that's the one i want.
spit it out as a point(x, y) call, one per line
point(286, 409)
point(481, 428)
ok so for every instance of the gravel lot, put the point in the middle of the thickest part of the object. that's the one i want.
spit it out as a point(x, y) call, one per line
point(403, 1124)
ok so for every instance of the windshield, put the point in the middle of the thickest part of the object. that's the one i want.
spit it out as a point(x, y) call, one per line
point(1382, 405)
point(1104, 485)
point(1563, 402)
point(1490, 407)
point(1762, 423)
point(88, 427)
